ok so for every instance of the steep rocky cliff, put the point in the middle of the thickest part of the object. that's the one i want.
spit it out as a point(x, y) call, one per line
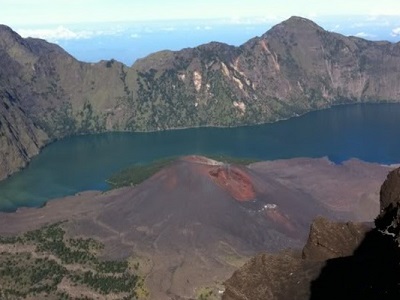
point(339, 261)
point(20, 138)
point(294, 68)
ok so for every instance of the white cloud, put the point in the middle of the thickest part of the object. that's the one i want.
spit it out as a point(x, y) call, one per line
point(364, 35)
point(55, 34)
point(135, 35)
point(63, 33)
point(395, 31)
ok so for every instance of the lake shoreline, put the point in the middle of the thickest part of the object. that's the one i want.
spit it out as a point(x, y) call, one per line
point(85, 162)
point(52, 141)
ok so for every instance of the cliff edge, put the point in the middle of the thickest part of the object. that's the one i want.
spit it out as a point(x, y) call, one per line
point(339, 261)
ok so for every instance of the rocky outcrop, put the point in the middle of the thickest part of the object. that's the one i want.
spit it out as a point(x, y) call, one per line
point(190, 225)
point(339, 261)
point(294, 68)
point(20, 138)
point(388, 221)
point(288, 275)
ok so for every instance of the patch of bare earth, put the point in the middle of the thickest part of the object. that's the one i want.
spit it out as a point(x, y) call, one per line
point(176, 221)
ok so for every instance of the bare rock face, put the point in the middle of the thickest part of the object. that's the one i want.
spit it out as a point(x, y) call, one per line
point(329, 239)
point(289, 274)
point(20, 138)
point(388, 221)
point(293, 68)
point(339, 261)
point(269, 276)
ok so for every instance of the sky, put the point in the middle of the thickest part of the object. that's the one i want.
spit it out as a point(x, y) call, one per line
point(28, 12)
point(92, 30)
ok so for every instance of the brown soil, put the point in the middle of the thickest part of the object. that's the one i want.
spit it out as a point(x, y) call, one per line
point(235, 181)
point(281, 220)
point(177, 220)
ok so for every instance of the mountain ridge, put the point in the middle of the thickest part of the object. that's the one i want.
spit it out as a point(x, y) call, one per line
point(293, 68)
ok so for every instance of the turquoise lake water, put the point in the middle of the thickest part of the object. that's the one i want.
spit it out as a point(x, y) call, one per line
point(370, 132)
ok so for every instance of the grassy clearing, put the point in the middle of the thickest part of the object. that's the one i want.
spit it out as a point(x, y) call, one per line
point(138, 173)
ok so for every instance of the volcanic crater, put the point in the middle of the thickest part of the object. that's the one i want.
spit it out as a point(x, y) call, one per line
point(197, 220)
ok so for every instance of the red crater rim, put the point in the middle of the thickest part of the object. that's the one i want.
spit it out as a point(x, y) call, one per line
point(235, 181)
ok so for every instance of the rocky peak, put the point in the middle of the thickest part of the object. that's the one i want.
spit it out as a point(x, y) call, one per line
point(294, 68)
point(299, 21)
point(26, 50)
point(293, 24)
point(8, 37)
point(5, 30)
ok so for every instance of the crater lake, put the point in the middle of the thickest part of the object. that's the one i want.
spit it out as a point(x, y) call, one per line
point(369, 132)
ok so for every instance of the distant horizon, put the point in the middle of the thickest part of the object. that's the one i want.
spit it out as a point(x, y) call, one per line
point(26, 12)
point(131, 40)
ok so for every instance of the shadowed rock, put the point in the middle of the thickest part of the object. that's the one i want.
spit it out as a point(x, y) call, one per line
point(190, 227)
point(339, 261)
